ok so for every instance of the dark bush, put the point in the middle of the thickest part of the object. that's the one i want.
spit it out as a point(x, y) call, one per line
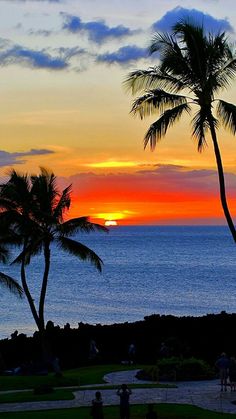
point(180, 369)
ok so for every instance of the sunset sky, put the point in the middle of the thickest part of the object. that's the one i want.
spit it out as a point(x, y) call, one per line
point(63, 106)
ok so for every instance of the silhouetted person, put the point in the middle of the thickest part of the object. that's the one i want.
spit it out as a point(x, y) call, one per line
point(151, 414)
point(124, 392)
point(93, 350)
point(232, 373)
point(222, 364)
point(97, 406)
point(164, 350)
point(131, 353)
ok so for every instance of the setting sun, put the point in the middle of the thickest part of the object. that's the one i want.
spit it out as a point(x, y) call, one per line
point(110, 223)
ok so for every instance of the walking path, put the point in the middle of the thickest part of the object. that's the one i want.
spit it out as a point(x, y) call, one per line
point(205, 394)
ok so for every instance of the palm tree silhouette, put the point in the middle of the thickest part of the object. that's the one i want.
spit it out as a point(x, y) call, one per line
point(198, 65)
point(32, 217)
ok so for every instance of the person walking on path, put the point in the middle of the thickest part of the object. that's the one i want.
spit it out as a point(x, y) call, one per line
point(97, 406)
point(124, 392)
point(222, 364)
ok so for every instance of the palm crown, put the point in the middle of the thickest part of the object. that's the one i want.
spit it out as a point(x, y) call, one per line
point(32, 217)
point(194, 67)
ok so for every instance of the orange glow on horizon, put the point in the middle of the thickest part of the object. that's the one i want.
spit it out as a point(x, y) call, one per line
point(163, 195)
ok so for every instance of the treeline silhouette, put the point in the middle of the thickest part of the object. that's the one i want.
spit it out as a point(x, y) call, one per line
point(202, 337)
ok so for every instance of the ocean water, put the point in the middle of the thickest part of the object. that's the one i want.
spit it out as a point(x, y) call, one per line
point(147, 269)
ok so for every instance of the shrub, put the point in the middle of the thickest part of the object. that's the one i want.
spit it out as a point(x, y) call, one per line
point(180, 369)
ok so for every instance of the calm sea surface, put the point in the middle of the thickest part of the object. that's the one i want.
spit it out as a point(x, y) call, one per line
point(166, 270)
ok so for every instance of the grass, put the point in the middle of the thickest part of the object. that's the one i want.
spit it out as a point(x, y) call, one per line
point(165, 411)
point(79, 376)
point(29, 396)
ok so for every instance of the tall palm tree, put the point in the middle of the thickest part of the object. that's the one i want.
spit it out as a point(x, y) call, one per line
point(33, 212)
point(194, 67)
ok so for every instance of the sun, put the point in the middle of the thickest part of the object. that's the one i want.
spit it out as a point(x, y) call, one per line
point(110, 223)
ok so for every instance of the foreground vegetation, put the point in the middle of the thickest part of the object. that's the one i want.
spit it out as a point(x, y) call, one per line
point(75, 377)
point(165, 411)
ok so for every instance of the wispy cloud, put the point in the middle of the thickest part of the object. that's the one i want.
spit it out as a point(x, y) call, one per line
point(40, 32)
point(10, 159)
point(97, 30)
point(17, 54)
point(211, 23)
point(124, 55)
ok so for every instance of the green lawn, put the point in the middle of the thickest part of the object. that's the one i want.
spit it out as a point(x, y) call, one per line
point(29, 396)
point(165, 411)
point(79, 376)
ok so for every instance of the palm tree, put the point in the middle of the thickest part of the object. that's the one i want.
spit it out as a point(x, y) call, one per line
point(194, 67)
point(33, 212)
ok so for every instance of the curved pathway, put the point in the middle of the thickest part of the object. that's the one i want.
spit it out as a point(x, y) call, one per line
point(205, 394)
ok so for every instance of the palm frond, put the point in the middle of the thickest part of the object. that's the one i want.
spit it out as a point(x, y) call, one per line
point(226, 112)
point(63, 203)
point(225, 74)
point(152, 78)
point(161, 42)
point(32, 249)
point(156, 100)
point(10, 283)
point(80, 224)
point(81, 251)
point(17, 191)
point(140, 79)
point(4, 254)
point(173, 60)
point(201, 126)
point(159, 128)
point(44, 191)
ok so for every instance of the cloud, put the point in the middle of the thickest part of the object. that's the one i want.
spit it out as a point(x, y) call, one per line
point(40, 32)
point(96, 30)
point(196, 16)
point(159, 182)
point(10, 159)
point(17, 54)
point(124, 55)
point(160, 194)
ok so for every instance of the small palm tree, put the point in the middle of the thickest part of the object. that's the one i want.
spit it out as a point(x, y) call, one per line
point(32, 217)
point(198, 65)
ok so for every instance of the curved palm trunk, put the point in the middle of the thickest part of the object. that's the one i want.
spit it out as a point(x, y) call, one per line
point(44, 284)
point(45, 346)
point(221, 179)
point(27, 291)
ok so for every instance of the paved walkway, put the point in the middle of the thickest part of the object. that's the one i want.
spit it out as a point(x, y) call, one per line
point(205, 394)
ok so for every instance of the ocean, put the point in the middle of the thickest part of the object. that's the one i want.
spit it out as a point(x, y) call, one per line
point(174, 270)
